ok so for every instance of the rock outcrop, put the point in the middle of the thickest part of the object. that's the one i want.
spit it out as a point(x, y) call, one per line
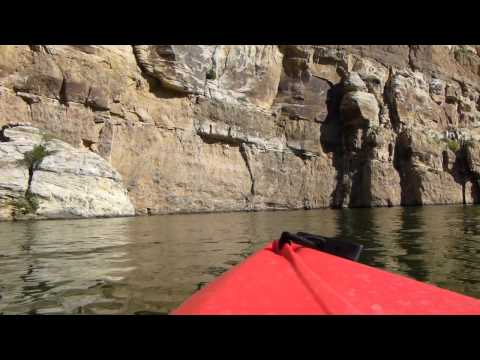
point(253, 127)
point(42, 177)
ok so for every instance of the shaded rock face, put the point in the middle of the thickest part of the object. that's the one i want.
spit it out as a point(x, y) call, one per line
point(252, 127)
point(64, 182)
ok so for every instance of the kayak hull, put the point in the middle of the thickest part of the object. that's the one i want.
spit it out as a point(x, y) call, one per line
point(303, 281)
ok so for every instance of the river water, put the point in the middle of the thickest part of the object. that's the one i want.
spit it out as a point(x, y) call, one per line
point(149, 265)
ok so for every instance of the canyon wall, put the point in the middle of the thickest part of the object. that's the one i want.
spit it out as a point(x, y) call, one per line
point(195, 128)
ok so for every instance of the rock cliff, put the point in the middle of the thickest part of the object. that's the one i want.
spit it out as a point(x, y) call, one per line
point(43, 177)
point(251, 127)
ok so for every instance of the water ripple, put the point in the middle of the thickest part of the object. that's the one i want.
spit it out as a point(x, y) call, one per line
point(149, 265)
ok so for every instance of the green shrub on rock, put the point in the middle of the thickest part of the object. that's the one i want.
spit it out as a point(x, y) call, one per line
point(33, 158)
point(26, 205)
point(453, 145)
point(211, 74)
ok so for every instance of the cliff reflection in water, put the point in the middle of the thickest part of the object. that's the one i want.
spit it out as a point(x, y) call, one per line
point(151, 264)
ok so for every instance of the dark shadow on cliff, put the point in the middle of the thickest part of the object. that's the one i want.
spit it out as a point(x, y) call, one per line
point(331, 140)
point(410, 182)
point(156, 87)
point(462, 174)
point(331, 127)
point(3, 137)
point(459, 170)
point(353, 169)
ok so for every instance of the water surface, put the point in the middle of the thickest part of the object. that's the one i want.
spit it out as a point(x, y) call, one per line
point(149, 265)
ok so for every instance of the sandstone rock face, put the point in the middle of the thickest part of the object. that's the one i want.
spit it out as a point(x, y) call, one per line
point(248, 73)
point(67, 182)
point(251, 127)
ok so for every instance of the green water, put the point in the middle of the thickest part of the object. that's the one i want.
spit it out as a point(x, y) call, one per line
point(151, 264)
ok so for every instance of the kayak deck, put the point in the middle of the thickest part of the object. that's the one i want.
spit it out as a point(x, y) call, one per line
point(299, 280)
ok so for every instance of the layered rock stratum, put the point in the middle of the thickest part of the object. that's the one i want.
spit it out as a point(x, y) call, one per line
point(194, 128)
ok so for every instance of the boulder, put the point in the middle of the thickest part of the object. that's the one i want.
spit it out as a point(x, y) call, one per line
point(66, 182)
point(360, 108)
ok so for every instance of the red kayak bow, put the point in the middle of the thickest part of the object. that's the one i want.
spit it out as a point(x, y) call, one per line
point(285, 278)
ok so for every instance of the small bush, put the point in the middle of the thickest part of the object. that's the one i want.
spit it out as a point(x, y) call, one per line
point(26, 205)
point(462, 53)
point(211, 74)
point(372, 135)
point(374, 129)
point(32, 159)
point(32, 200)
point(453, 145)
